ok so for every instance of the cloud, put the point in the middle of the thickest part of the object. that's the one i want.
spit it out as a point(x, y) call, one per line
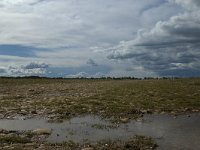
point(86, 75)
point(2, 70)
point(68, 35)
point(71, 23)
point(188, 4)
point(92, 63)
point(33, 68)
point(34, 65)
point(78, 75)
point(99, 75)
point(170, 46)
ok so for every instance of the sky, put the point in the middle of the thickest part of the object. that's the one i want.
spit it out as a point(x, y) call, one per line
point(96, 38)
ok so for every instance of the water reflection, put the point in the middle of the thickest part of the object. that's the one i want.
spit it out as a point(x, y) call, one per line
point(182, 132)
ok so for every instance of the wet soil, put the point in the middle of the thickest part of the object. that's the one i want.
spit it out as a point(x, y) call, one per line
point(169, 132)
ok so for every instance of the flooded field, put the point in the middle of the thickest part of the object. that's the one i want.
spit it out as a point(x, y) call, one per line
point(100, 114)
point(182, 132)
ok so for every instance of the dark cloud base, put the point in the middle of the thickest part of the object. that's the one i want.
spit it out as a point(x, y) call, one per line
point(170, 48)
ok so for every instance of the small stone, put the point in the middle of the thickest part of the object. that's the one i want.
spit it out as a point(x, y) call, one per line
point(124, 120)
point(18, 96)
point(23, 112)
point(149, 111)
point(162, 113)
point(195, 110)
point(187, 109)
point(34, 112)
point(173, 113)
point(143, 111)
point(41, 131)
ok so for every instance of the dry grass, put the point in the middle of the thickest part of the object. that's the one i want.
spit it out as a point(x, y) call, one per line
point(60, 99)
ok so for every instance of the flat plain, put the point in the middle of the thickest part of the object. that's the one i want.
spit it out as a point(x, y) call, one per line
point(119, 101)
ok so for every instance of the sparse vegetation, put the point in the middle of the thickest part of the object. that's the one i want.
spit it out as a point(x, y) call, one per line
point(13, 139)
point(136, 143)
point(22, 143)
point(115, 99)
point(60, 99)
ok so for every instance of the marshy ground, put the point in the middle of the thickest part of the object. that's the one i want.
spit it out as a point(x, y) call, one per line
point(117, 101)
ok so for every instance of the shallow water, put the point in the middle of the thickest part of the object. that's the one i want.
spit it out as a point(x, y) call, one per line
point(182, 132)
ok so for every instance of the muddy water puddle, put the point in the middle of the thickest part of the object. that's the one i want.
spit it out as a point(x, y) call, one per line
point(182, 132)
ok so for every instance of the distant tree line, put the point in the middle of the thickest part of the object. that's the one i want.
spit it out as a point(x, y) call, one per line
point(103, 78)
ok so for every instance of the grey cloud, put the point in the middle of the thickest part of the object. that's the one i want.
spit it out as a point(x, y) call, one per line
point(188, 4)
point(68, 28)
point(34, 65)
point(99, 75)
point(170, 46)
point(91, 62)
point(32, 68)
point(78, 75)
point(86, 75)
point(5, 3)
point(2, 70)
point(61, 23)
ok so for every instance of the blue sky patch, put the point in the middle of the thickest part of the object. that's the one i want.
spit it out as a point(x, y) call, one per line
point(152, 37)
point(18, 50)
